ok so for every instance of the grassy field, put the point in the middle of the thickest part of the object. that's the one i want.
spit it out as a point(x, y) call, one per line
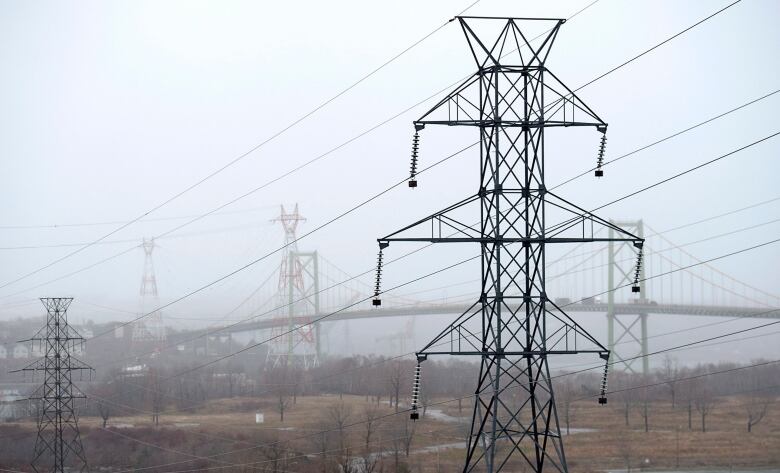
point(600, 438)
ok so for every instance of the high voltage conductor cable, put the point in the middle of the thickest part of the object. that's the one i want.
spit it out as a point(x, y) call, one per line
point(267, 255)
point(614, 201)
point(671, 178)
point(235, 160)
point(669, 137)
point(369, 271)
point(650, 354)
point(403, 411)
point(323, 317)
point(664, 250)
point(117, 222)
point(687, 171)
point(654, 47)
point(743, 250)
point(219, 329)
point(401, 182)
point(438, 162)
point(764, 202)
point(688, 378)
point(131, 240)
point(334, 149)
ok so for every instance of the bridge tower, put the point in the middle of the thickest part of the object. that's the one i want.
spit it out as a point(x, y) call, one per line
point(298, 291)
point(150, 329)
point(622, 328)
point(513, 326)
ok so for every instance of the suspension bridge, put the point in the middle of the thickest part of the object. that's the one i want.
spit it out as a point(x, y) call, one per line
point(308, 290)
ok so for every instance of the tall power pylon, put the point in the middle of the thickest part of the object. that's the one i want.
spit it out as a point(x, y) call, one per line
point(150, 328)
point(58, 446)
point(298, 292)
point(514, 325)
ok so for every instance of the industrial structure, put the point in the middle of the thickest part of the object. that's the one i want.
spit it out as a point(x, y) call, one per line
point(297, 340)
point(514, 325)
point(58, 445)
point(149, 329)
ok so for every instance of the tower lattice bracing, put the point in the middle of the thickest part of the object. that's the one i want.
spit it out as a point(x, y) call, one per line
point(58, 446)
point(296, 340)
point(150, 329)
point(513, 326)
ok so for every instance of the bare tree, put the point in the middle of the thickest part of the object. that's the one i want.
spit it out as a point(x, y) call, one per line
point(371, 423)
point(565, 394)
point(395, 383)
point(339, 416)
point(282, 405)
point(105, 411)
point(643, 407)
point(671, 372)
point(626, 401)
point(757, 408)
point(703, 401)
point(156, 395)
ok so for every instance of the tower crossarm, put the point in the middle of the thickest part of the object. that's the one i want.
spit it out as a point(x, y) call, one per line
point(576, 225)
point(512, 326)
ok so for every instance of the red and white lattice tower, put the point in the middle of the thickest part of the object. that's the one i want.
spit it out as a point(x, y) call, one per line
point(294, 338)
point(149, 329)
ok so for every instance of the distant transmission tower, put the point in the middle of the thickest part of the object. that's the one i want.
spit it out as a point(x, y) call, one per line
point(514, 325)
point(295, 340)
point(150, 328)
point(58, 446)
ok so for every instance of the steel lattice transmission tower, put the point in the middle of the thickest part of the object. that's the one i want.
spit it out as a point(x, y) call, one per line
point(298, 292)
point(58, 446)
point(150, 328)
point(513, 326)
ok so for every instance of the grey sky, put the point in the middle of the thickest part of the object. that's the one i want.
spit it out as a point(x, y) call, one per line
point(111, 107)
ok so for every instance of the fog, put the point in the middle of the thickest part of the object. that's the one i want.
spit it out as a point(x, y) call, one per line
point(112, 108)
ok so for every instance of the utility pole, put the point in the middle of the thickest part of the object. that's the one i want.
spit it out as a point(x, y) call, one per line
point(513, 326)
point(58, 446)
point(294, 337)
point(150, 329)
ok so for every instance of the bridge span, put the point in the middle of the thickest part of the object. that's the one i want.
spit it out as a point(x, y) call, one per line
point(422, 310)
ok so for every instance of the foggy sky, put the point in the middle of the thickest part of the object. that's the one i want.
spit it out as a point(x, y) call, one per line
point(110, 108)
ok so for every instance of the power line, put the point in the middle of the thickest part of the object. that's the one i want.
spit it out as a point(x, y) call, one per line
point(221, 329)
point(562, 306)
point(764, 202)
point(403, 411)
point(707, 163)
point(656, 46)
point(429, 167)
point(131, 240)
point(235, 160)
point(688, 378)
point(229, 203)
point(669, 137)
point(319, 319)
point(117, 222)
point(255, 261)
point(572, 373)
point(332, 150)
